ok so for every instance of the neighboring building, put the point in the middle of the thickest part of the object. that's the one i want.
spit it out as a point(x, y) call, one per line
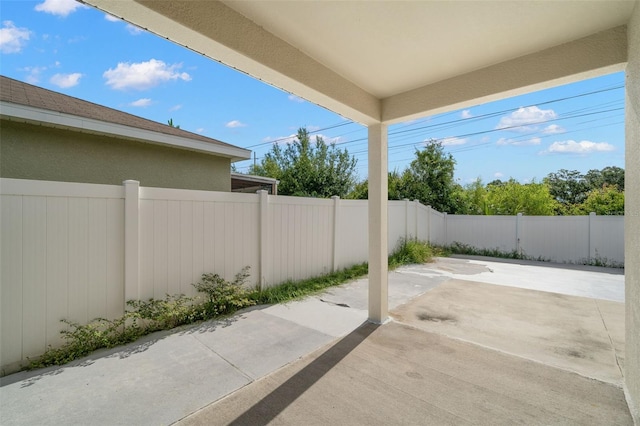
point(45, 135)
point(250, 183)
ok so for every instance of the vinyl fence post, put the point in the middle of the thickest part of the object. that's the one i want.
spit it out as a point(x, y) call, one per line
point(518, 233)
point(446, 241)
point(592, 245)
point(262, 229)
point(416, 205)
point(131, 240)
point(336, 218)
point(429, 224)
point(406, 218)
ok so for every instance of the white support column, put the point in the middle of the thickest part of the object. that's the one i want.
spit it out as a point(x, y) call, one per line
point(378, 252)
point(131, 240)
point(632, 217)
point(263, 230)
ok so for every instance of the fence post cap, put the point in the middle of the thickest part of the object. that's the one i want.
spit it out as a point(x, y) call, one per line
point(335, 197)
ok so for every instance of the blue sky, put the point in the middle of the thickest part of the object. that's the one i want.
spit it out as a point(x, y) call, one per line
point(79, 51)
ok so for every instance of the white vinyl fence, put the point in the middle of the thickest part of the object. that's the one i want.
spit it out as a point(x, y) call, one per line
point(562, 239)
point(79, 251)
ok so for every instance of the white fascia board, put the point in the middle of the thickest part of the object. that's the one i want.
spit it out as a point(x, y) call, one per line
point(26, 113)
point(253, 178)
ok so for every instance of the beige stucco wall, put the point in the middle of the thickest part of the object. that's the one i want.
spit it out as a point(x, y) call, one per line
point(632, 217)
point(45, 153)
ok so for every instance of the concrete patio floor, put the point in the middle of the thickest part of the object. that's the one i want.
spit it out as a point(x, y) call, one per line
point(395, 374)
point(458, 351)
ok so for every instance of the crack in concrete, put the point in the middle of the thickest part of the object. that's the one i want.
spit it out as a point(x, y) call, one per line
point(615, 354)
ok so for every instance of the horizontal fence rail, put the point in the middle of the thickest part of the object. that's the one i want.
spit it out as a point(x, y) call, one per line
point(80, 251)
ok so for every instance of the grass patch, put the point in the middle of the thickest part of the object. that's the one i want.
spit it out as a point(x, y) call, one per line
point(460, 248)
point(292, 290)
point(412, 252)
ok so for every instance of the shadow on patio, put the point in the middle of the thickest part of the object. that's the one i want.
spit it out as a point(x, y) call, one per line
point(427, 371)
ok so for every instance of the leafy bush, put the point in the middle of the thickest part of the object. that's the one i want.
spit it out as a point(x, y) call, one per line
point(147, 316)
point(167, 313)
point(224, 296)
point(81, 340)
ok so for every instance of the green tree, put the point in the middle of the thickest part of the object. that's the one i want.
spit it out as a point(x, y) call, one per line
point(309, 169)
point(512, 198)
point(608, 200)
point(475, 195)
point(170, 123)
point(568, 187)
point(395, 188)
point(429, 179)
point(611, 176)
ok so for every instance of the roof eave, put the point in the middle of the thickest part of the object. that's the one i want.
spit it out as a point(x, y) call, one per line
point(56, 119)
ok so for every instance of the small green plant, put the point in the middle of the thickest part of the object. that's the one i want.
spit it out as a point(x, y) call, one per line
point(167, 313)
point(411, 251)
point(146, 316)
point(460, 248)
point(81, 340)
point(224, 297)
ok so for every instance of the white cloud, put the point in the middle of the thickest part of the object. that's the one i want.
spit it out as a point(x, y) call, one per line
point(200, 130)
point(524, 119)
point(33, 74)
point(582, 147)
point(133, 30)
point(175, 107)
point(452, 141)
point(235, 123)
point(498, 175)
point(553, 129)
point(466, 113)
point(142, 102)
point(111, 18)
point(59, 7)
point(66, 80)
point(327, 139)
point(143, 75)
point(12, 38)
point(295, 98)
point(516, 142)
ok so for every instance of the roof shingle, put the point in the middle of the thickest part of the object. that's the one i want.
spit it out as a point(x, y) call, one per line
point(18, 92)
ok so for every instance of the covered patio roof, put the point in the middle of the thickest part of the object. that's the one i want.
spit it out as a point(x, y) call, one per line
point(391, 61)
point(381, 62)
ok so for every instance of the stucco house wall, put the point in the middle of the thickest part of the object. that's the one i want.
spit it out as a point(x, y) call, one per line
point(29, 151)
point(47, 135)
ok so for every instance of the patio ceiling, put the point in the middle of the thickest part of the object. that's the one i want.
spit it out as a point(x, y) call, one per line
point(391, 61)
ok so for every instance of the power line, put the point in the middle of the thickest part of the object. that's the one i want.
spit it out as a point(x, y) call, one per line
point(455, 123)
